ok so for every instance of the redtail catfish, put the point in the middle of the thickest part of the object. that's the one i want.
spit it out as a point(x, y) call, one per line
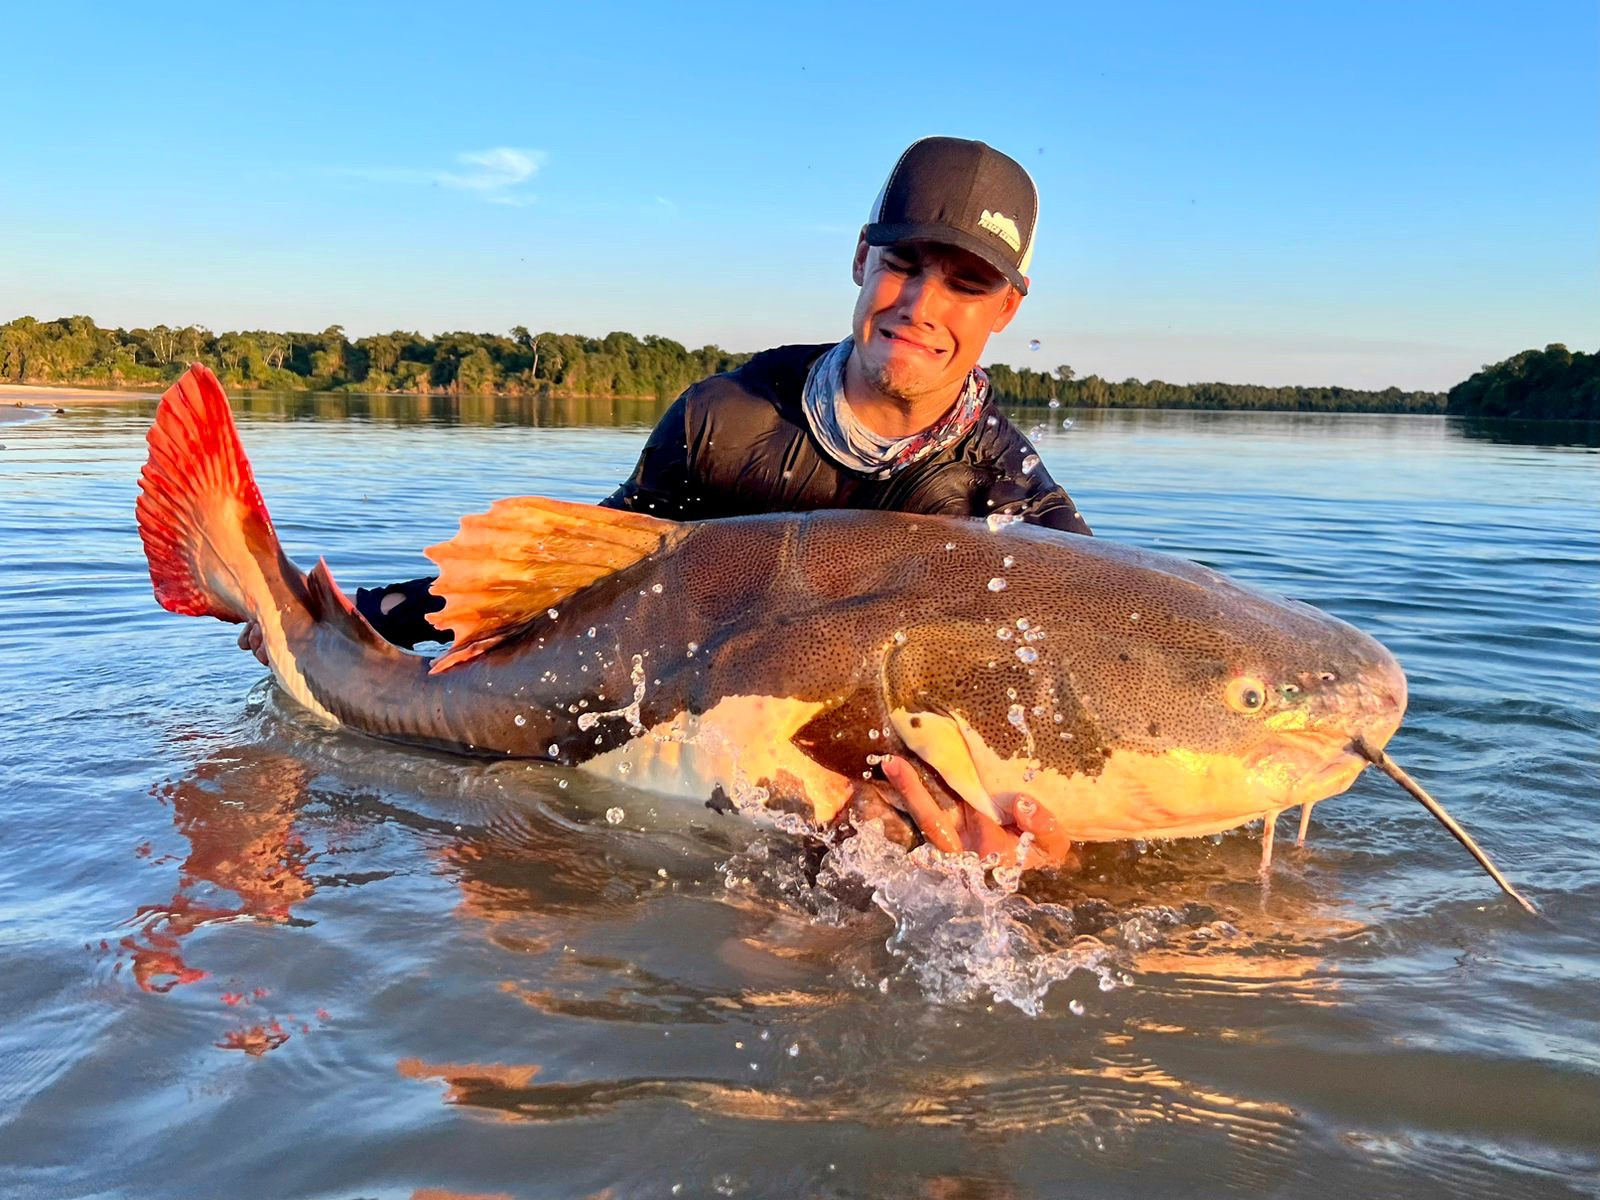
point(1119, 692)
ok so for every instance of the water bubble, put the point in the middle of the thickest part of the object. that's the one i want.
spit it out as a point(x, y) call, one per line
point(997, 585)
point(1033, 343)
point(1027, 654)
point(519, 720)
point(997, 521)
point(614, 816)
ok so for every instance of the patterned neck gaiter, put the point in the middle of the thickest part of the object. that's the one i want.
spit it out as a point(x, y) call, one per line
point(852, 445)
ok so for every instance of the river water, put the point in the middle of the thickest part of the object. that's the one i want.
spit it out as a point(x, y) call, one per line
point(241, 954)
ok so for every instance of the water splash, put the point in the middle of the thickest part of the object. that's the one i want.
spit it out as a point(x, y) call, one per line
point(964, 933)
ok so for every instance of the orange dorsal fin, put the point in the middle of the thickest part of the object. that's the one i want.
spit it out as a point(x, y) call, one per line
point(505, 567)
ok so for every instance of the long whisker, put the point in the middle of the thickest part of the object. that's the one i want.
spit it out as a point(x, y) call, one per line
point(1394, 771)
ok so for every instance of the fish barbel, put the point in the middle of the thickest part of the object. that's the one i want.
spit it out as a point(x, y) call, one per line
point(1130, 694)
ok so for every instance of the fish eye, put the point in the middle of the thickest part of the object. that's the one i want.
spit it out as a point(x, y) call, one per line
point(1245, 694)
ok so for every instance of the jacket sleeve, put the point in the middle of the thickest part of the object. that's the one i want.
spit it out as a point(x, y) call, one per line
point(1055, 509)
point(659, 485)
point(400, 611)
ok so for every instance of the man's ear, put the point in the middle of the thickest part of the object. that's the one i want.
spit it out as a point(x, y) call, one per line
point(858, 269)
point(1008, 310)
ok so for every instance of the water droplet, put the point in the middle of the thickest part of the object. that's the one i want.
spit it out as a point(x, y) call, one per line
point(992, 422)
point(997, 585)
point(1003, 634)
point(1054, 403)
point(589, 632)
point(872, 735)
point(555, 750)
point(999, 520)
point(1033, 343)
point(1133, 616)
point(794, 1050)
point(1008, 562)
point(561, 783)
point(1066, 422)
point(949, 545)
point(693, 646)
point(520, 720)
point(624, 767)
point(614, 816)
point(1030, 464)
point(656, 588)
point(1016, 716)
point(1076, 1007)
point(899, 638)
point(1022, 623)
point(1027, 654)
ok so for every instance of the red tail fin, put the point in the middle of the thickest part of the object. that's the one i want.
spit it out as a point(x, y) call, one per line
point(196, 496)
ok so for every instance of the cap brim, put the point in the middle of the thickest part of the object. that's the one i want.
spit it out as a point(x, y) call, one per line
point(888, 235)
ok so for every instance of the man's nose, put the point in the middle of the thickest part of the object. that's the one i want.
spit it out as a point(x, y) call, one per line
point(918, 299)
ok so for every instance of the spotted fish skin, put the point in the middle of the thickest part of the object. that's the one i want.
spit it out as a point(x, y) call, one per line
point(1133, 694)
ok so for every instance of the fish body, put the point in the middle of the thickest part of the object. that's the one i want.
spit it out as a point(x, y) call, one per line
point(1130, 693)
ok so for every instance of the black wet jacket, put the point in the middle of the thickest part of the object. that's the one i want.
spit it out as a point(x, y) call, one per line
point(738, 443)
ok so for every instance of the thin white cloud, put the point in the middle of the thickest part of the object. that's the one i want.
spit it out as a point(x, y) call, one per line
point(497, 175)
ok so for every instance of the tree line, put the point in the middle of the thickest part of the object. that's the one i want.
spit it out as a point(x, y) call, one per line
point(1549, 384)
point(74, 350)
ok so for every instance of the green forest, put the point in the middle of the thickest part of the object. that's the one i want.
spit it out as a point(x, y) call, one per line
point(1549, 384)
point(76, 351)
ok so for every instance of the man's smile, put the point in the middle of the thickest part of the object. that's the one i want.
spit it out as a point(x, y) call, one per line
point(910, 342)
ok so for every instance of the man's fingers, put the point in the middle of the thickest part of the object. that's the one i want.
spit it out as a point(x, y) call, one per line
point(251, 639)
point(868, 803)
point(989, 838)
point(939, 825)
point(1051, 847)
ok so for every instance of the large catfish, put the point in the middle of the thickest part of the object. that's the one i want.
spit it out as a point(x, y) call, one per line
point(1129, 694)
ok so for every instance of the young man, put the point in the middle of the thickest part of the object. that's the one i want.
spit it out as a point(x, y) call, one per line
point(896, 416)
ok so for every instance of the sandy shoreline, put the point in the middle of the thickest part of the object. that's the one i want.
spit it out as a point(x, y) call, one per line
point(34, 396)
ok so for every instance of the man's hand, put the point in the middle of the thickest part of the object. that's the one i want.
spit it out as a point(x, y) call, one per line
point(251, 639)
point(952, 826)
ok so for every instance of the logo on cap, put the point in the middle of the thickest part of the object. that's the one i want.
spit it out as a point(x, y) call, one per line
point(1002, 227)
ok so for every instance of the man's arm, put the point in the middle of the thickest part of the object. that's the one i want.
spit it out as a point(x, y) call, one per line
point(659, 485)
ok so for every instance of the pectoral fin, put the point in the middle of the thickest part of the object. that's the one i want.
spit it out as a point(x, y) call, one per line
point(939, 741)
point(507, 566)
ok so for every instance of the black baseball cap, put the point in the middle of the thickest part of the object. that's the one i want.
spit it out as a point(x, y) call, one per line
point(962, 194)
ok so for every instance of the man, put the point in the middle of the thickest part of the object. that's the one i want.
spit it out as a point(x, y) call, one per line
point(896, 416)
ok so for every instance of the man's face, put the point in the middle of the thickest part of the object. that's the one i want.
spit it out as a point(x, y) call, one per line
point(924, 314)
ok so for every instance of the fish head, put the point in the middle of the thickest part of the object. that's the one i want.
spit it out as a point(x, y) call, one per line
point(1140, 696)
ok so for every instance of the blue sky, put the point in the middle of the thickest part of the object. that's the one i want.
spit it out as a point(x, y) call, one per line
point(1359, 194)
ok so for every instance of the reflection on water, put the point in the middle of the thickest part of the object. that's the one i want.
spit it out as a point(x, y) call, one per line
point(453, 978)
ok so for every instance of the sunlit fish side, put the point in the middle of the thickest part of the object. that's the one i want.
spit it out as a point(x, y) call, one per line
point(1130, 694)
